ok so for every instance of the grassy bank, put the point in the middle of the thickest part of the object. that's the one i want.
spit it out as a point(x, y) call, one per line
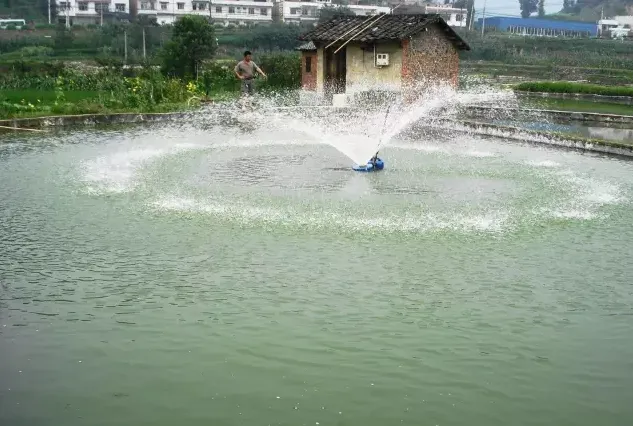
point(574, 88)
point(577, 106)
point(45, 89)
point(601, 76)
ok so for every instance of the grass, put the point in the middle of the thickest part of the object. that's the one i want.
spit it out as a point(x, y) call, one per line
point(578, 106)
point(79, 102)
point(93, 108)
point(580, 88)
point(49, 96)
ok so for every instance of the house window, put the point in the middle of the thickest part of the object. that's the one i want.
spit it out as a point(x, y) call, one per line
point(218, 9)
point(231, 9)
point(199, 6)
point(120, 7)
point(163, 5)
point(308, 63)
point(294, 10)
point(458, 17)
point(263, 11)
point(83, 6)
point(181, 6)
point(102, 7)
point(144, 5)
point(251, 10)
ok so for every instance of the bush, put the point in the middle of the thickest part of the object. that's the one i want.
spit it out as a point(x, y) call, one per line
point(283, 70)
point(566, 87)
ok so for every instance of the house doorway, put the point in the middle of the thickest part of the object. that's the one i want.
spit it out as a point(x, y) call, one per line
point(335, 71)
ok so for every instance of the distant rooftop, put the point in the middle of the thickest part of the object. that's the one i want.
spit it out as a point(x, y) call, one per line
point(385, 27)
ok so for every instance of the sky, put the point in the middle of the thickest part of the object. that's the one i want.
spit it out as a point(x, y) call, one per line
point(511, 7)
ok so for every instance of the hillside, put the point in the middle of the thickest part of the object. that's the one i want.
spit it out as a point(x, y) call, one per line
point(592, 10)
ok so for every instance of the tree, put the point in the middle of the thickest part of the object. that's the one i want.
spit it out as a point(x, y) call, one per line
point(528, 7)
point(63, 39)
point(328, 12)
point(192, 41)
point(541, 8)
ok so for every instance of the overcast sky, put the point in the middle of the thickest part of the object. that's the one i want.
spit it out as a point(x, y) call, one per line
point(511, 7)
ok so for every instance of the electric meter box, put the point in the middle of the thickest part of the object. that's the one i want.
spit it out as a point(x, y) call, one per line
point(382, 59)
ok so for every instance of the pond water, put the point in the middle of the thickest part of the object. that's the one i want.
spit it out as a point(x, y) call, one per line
point(243, 275)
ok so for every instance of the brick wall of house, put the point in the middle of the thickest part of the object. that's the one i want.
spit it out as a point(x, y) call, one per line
point(430, 57)
point(309, 70)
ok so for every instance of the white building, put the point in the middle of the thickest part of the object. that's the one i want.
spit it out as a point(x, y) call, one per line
point(82, 12)
point(613, 28)
point(308, 11)
point(241, 12)
point(454, 16)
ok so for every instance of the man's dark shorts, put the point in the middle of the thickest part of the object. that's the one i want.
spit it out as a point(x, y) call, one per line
point(248, 86)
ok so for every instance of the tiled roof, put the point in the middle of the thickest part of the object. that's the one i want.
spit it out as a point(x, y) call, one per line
point(309, 46)
point(382, 27)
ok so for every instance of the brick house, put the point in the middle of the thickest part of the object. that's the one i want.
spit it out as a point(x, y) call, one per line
point(351, 53)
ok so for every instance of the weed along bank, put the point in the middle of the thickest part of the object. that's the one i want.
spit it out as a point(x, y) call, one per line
point(348, 54)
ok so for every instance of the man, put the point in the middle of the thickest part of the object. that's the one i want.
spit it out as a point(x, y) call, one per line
point(245, 71)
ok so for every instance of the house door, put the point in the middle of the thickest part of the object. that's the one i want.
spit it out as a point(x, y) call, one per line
point(335, 70)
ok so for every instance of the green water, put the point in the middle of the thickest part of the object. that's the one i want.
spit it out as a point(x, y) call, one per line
point(173, 275)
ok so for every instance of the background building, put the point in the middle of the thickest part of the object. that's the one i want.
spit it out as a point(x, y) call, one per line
point(540, 27)
point(240, 12)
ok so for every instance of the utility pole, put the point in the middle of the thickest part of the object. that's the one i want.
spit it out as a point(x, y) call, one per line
point(67, 13)
point(125, 46)
point(102, 14)
point(483, 21)
point(49, 12)
point(143, 42)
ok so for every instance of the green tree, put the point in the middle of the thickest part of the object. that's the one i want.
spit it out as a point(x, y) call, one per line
point(328, 12)
point(541, 8)
point(63, 39)
point(528, 7)
point(192, 41)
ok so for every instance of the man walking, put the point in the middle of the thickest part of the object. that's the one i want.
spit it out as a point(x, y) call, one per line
point(245, 71)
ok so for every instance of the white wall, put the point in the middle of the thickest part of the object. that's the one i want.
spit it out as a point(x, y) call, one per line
point(167, 11)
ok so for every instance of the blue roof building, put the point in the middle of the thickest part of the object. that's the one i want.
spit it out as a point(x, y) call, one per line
point(541, 27)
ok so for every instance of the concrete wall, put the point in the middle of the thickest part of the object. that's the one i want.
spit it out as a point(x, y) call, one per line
point(363, 75)
point(430, 56)
point(320, 78)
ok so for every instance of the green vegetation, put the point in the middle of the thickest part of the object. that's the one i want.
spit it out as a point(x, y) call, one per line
point(577, 106)
point(53, 89)
point(192, 41)
point(545, 51)
point(604, 76)
point(567, 87)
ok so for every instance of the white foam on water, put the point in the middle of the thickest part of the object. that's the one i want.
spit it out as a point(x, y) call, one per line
point(480, 154)
point(245, 213)
point(595, 192)
point(573, 214)
point(115, 172)
point(459, 151)
point(544, 163)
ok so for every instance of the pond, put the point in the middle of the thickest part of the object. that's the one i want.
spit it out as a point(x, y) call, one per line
point(224, 275)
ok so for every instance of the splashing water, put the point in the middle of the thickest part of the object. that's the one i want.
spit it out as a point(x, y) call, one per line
point(375, 116)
